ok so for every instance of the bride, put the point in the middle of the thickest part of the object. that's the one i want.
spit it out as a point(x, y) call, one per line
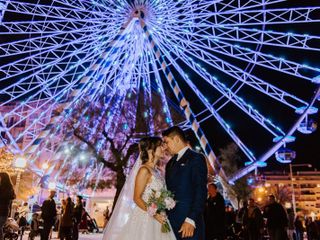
point(130, 220)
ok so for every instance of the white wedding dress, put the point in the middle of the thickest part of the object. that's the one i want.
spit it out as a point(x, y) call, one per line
point(136, 224)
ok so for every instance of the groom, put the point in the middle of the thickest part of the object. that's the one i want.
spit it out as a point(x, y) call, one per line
point(186, 177)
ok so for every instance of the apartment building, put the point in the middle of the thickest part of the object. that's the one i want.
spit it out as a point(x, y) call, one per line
point(306, 186)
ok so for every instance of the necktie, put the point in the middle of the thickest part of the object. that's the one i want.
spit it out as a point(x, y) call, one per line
point(174, 160)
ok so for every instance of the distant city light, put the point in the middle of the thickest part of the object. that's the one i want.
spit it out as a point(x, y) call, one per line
point(20, 162)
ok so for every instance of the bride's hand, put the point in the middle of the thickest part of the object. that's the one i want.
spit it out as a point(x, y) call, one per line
point(160, 218)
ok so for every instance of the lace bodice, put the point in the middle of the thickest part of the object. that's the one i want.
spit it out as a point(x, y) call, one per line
point(156, 183)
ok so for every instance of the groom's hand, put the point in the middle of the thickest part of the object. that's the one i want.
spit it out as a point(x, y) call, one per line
point(186, 230)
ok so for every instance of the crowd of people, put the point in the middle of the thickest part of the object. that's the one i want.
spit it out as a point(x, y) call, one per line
point(252, 222)
point(67, 221)
point(68, 218)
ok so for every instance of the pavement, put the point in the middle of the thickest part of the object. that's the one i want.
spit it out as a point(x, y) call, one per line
point(90, 236)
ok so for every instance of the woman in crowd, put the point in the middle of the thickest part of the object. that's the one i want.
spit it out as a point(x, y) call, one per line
point(67, 221)
point(6, 197)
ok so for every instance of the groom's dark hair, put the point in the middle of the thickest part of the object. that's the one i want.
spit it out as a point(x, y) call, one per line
point(175, 131)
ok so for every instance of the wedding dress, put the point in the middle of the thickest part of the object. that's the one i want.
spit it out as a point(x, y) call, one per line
point(132, 223)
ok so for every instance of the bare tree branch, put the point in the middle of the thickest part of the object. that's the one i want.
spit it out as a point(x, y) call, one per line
point(93, 150)
point(128, 137)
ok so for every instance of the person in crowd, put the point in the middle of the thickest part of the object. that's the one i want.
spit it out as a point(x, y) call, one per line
point(48, 214)
point(298, 224)
point(313, 231)
point(23, 212)
point(6, 196)
point(277, 220)
point(214, 214)
point(83, 226)
point(77, 214)
point(66, 224)
point(106, 215)
point(60, 213)
point(253, 221)
point(22, 216)
point(291, 228)
point(34, 226)
point(230, 220)
point(242, 210)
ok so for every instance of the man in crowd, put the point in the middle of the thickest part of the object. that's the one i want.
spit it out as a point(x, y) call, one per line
point(214, 214)
point(277, 220)
point(77, 214)
point(48, 214)
point(253, 221)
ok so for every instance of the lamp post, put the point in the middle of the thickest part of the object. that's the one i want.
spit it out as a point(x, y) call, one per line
point(19, 165)
point(292, 187)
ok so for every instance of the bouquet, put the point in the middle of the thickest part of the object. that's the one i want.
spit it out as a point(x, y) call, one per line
point(158, 203)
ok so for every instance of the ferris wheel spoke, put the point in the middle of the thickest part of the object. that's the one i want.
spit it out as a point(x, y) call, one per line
point(46, 27)
point(41, 43)
point(257, 17)
point(146, 89)
point(231, 96)
point(256, 57)
point(239, 74)
point(160, 90)
point(32, 147)
point(254, 36)
point(115, 109)
point(239, 5)
point(253, 56)
point(23, 87)
point(81, 118)
point(58, 54)
point(214, 113)
point(53, 11)
point(271, 16)
point(264, 37)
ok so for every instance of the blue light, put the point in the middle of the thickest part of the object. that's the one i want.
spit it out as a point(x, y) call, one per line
point(250, 181)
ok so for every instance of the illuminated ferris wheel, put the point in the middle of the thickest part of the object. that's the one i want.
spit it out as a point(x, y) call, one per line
point(217, 56)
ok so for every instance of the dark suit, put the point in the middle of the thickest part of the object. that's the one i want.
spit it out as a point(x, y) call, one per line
point(215, 217)
point(187, 179)
point(48, 215)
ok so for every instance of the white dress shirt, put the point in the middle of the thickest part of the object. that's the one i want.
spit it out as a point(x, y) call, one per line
point(180, 154)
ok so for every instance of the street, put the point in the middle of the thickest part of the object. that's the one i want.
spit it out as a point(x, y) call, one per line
point(91, 236)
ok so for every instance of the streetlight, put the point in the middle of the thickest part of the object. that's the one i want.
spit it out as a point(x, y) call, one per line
point(291, 178)
point(19, 164)
point(45, 166)
point(52, 186)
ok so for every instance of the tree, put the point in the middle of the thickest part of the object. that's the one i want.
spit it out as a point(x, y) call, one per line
point(121, 160)
point(6, 160)
point(230, 161)
point(110, 132)
point(26, 187)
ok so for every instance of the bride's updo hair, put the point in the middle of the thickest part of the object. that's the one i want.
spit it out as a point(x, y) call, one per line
point(146, 144)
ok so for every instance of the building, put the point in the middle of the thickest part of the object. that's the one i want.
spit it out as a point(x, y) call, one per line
point(306, 186)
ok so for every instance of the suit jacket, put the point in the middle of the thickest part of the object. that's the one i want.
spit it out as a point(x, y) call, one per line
point(215, 217)
point(187, 179)
point(49, 211)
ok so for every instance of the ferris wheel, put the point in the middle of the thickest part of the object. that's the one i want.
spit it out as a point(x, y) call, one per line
point(219, 57)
